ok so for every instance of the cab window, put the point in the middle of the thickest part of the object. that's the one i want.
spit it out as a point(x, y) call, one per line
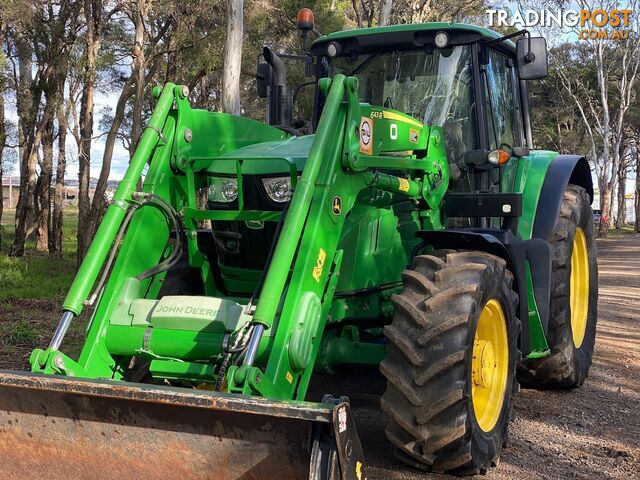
point(500, 102)
point(435, 88)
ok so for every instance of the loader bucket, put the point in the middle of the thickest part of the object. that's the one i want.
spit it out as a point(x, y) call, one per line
point(60, 427)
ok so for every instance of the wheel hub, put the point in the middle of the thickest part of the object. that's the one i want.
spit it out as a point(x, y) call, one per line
point(484, 363)
point(490, 365)
point(579, 287)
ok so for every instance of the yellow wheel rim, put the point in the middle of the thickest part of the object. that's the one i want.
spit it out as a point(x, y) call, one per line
point(579, 287)
point(490, 365)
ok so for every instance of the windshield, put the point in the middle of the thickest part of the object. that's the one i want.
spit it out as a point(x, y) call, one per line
point(434, 88)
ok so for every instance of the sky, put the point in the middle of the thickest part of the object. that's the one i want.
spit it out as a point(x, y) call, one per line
point(120, 159)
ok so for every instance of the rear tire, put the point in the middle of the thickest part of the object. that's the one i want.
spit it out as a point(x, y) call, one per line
point(430, 401)
point(182, 279)
point(571, 341)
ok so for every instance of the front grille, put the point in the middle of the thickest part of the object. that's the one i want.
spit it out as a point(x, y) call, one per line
point(233, 243)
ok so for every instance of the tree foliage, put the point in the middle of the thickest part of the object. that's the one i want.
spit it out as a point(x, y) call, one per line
point(61, 58)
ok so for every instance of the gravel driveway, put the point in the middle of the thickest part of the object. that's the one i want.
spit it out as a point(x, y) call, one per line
point(592, 432)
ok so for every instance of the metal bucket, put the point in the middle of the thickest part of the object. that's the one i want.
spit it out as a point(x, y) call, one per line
point(57, 427)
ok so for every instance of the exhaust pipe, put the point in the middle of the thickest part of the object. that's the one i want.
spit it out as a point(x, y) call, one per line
point(280, 95)
point(279, 70)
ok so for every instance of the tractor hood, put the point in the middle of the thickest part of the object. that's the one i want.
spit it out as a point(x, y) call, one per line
point(391, 131)
point(278, 156)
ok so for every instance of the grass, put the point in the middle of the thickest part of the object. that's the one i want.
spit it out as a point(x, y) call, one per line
point(16, 333)
point(32, 289)
point(618, 233)
point(37, 275)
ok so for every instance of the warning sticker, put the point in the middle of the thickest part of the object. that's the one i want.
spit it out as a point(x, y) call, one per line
point(366, 135)
point(403, 185)
point(317, 270)
point(342, 420)
point(413, 135)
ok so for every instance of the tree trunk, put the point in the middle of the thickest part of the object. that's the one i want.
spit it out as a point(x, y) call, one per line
point(384, 15)
point(172, 61)
point(26, 107)
point(55, 237)
point(97, 206)
point(637, 192)
point(3, 136)
point(3, 142)
point(356, 12)
point(621, 218)
point(606, 195)
point(46, 171)
point(92, 12)
point(138, 75)
point(232, 58)
point(605, 207)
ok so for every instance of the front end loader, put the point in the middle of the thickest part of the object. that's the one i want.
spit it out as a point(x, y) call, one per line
point(414, 228)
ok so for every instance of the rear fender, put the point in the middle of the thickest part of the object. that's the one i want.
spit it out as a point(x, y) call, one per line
point(563, 170)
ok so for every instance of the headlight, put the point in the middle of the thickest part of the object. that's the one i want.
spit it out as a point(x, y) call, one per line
point(222, 190)
point(278, 189)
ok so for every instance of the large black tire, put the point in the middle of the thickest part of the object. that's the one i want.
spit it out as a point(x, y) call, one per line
point(428, 402)
point(182, 279)
point(568, 365)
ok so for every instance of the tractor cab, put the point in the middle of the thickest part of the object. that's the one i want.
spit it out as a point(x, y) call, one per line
point(468, 80)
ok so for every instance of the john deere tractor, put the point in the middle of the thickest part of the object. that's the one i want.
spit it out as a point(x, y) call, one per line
point(407, 223)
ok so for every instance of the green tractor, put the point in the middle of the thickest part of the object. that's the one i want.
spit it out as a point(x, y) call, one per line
point(407, 224)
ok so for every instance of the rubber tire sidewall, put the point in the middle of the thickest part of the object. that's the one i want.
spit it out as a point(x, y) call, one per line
point(560, 308)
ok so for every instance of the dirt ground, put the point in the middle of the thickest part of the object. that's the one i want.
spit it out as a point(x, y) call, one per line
point(592, 432)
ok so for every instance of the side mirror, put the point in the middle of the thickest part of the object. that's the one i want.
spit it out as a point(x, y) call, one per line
point(531, 56)
point(264, 78)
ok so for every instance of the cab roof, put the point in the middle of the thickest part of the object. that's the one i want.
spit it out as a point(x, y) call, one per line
point(405, 37)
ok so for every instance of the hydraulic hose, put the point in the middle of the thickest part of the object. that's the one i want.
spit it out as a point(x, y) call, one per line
point(172, 216)
point(176, 254)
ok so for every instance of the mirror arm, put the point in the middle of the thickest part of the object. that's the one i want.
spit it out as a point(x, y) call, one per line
point(491, 43)
point(529, 57)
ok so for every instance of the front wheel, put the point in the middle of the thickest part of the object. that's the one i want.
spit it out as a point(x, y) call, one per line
point(451, 364)
point(574, 298)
